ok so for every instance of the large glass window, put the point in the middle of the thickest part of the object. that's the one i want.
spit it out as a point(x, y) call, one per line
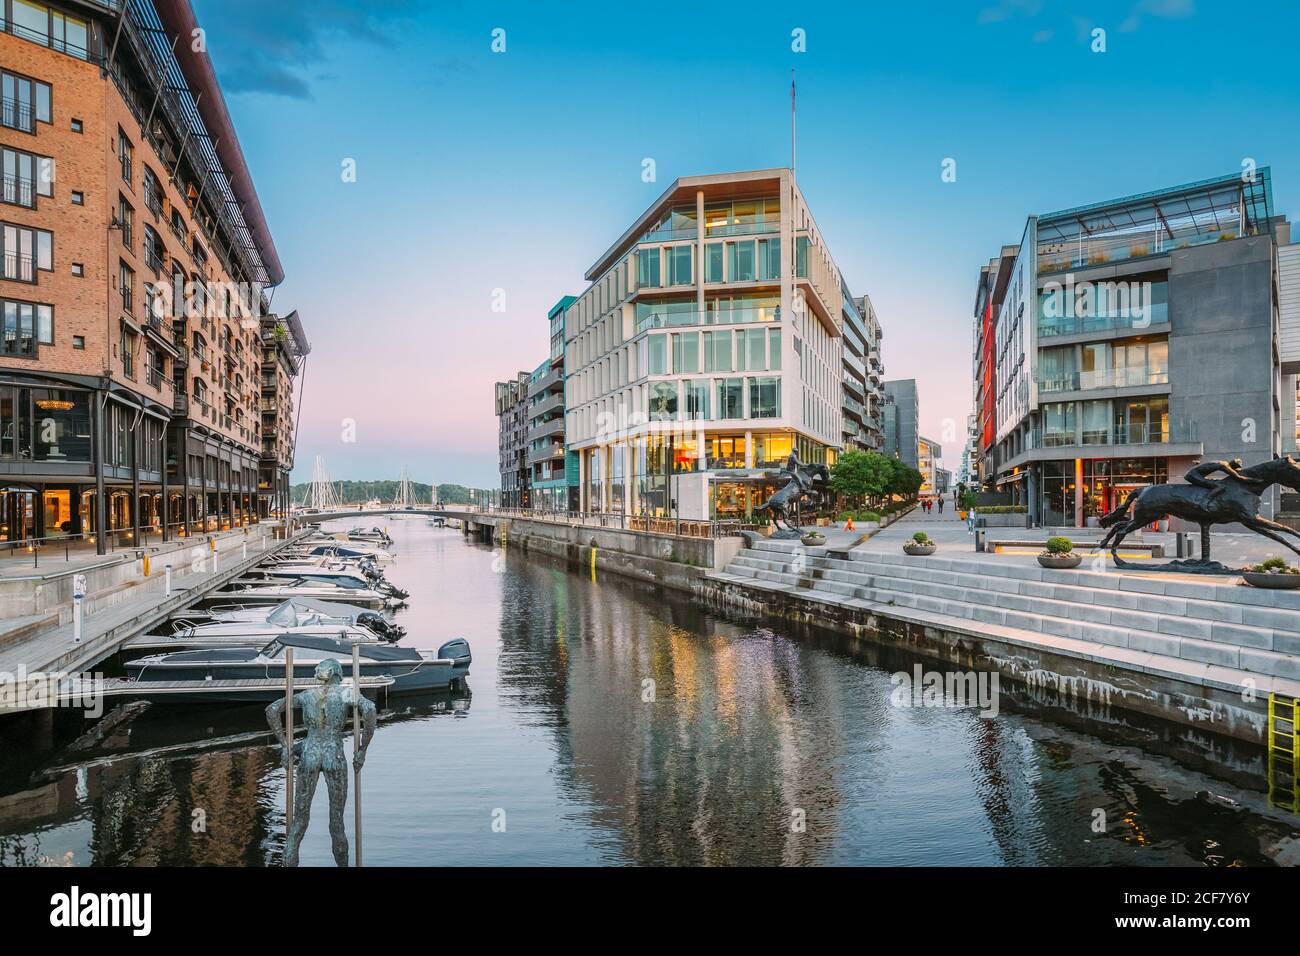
point(658, 354)
point(25, 325)
point(23, 102)
point(772, 450)
point(1142, 420)
point(769, 258)
point(713, 262)
point(1057, 369)
point(726, 452)
point(731, 398)
point(717, 352)
point(1096, 423)
point(25, 252)
point(62, 425)
point(686, 352)
point(679, 265)
point(697, 400)
point(774, 349)
point(663, 402)
point(648, 268)
point(740, 264)
point(765, 397)
point(1058, 424)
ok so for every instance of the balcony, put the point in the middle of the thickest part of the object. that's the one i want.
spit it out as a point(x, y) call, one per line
point(554, 427)
point(1050, 326)
point(691, 317)
point(1103, 378)
point(551, 403)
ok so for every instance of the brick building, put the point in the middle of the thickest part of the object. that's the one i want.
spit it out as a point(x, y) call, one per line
point(136, 259)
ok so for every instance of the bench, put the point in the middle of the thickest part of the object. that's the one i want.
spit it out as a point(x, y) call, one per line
point(1080, 547)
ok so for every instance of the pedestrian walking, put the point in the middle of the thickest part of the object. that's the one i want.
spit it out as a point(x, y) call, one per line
point(940, 506)
point(970, 521)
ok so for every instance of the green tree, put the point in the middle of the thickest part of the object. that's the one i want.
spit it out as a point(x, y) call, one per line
point(861, 474)
point(904, 479)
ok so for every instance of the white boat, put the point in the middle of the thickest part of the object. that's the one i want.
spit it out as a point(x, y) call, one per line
point(218, 634)
point(276, 593)
point(299, 612)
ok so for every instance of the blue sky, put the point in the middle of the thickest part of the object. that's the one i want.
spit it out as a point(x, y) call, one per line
point(478, 170)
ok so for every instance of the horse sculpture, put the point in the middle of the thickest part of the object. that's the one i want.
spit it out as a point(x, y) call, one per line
point(802, 484)
point(1206, 502)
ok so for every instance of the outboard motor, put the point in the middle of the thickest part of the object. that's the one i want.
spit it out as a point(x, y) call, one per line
point(381, 627)
point(457, 649)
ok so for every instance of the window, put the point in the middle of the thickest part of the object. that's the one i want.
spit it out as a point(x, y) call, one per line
point(78, 270)
point(731, 398)
point(153, 193)
point(153, 249)
point(125, 153)
point(127, 349)
point(126, 220)
point(765, 397)
point(769, 258)
point(25, 176)
point(648, 268)
point(663, 402)
point(658, 355)
point(78, 198)
point(78, 341)
point(697, 400)
point(25, 252)
point(717, 351)
point(679, 265)
point(24, 102)
point(77, 125)
point(686, 352)
point(126, 285)
point(25, 325)
point(774, 349)
point(713, 262)
point(68, 34)
point(740, 263)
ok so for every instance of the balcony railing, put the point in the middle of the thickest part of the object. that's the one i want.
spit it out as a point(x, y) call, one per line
point(692, 317)
point(1103, 378)
point(19, 192)
point(17, 115)
point(1048, 326)
point(1100, 250)
point(20, 268)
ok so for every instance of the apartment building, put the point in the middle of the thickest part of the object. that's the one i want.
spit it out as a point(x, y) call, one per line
point(989, 295)
point(873, 420)
point(863, 392)
point(512, 441)
point(901, 418)
point(1135, 337)
point(553, 486)
point(135, 257)
point(284, 349)
point(928, 453)
point(705, 350)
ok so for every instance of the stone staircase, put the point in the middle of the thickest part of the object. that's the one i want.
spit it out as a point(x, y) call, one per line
point(1172, 624)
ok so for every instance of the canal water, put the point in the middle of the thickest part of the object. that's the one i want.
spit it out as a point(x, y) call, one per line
point(607, 722)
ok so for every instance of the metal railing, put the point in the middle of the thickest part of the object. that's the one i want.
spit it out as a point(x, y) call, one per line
point(19, 268)
point(650, 524)
point(19, 191)
point(17, 115)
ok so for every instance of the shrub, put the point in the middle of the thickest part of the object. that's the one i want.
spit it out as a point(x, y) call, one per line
point(1273, 566)
point(1004, 509)
point(921, 538)
point(1059, 545)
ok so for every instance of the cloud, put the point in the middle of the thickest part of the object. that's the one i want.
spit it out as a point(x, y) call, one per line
point(279, 49)
point(1160, 9)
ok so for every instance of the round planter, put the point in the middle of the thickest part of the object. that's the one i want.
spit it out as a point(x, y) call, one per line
point(1273, 581)
point(813, 540)
point(1060, 562)
point(918, 550)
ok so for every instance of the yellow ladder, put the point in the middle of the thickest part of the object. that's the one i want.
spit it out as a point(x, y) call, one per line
point(1283, 754)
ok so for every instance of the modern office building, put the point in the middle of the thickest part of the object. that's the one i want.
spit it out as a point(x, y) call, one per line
point(863, 394)
point(512, 441)
point(902, 421)
point(928, 453)
point(705, 350)
point(1136, 337)
point(552, 488)
point(943, 482)
point(1289, 342)
point(284, 349)
point(135, 255)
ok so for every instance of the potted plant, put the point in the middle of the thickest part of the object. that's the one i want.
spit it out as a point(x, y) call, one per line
point(921, 544)
point(1060, 554)
point(1273, 573)
point(813, 539)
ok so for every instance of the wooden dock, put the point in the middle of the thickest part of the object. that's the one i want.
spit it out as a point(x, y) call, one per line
point(80, 690)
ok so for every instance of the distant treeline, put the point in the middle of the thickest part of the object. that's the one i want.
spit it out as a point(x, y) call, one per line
point(359, 492)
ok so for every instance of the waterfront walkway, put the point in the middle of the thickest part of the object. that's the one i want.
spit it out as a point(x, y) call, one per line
point(142, 605)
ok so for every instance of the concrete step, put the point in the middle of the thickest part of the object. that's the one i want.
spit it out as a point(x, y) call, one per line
point(1265, 650)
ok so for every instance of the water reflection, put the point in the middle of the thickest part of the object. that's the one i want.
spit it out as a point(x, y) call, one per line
point(612, 723)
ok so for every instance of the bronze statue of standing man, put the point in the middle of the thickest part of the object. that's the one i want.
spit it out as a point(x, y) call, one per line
point(325, 714)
